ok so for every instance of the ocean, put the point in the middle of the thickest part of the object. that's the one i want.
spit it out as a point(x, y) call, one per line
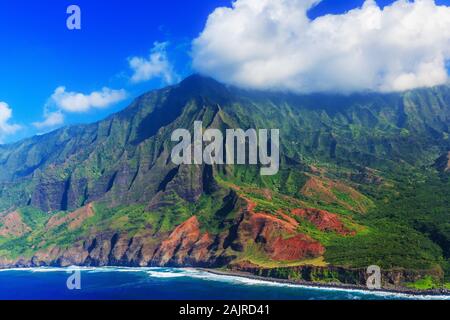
point(164, 284)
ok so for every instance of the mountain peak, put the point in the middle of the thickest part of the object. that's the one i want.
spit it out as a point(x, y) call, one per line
point(199, 79)
point(204, 86)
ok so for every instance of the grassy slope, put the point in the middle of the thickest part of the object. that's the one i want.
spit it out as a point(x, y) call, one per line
point(406, 223)
point(393, 233)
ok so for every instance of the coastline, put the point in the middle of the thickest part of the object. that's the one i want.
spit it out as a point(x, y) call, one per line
point(339, 286)
point(406, 292)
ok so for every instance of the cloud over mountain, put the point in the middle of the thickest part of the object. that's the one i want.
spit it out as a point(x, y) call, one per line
point(266, 44)
point(51, 119)
point(63, 101)
point(6, 127)
point(157, 65)
point(80, 102)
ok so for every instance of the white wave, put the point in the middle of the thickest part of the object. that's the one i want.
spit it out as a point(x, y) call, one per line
point(159, 272)
point(199, 274)
point(112, 269)
point(250, 281)
point(40, 269)
point(164, 274)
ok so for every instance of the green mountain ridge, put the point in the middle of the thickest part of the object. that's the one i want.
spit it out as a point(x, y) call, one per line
point(361, 182)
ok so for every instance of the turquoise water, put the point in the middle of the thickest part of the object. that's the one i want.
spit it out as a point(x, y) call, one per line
point(164, 283)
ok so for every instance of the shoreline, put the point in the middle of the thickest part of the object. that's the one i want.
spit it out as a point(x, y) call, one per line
point(250, 276)
point(340, 286)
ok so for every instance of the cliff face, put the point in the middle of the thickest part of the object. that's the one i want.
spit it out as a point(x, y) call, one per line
point(186, 245)
point(443, 163)
point(394, 279)
point(125, 158)
point(108, 193)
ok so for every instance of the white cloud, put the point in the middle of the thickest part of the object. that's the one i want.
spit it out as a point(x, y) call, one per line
point(6, 128)
point(157, 65)
point(272, 44)
point(62, 101)
point(79, 102)
point(51, 120)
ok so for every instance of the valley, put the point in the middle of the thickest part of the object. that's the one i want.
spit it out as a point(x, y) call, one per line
point(362, 181)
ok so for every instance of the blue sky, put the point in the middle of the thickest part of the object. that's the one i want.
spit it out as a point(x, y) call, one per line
point(39, 54)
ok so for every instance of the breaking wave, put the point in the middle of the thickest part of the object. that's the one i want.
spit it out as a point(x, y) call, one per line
point(191, 273)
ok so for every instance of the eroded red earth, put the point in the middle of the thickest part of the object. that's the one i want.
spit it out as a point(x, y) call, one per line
point(278, 236)
point(323, 220)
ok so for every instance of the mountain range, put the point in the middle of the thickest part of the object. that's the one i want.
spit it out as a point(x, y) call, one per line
point(363, 180)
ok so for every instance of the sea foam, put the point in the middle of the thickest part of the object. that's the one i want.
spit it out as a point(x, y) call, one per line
point(167, 273)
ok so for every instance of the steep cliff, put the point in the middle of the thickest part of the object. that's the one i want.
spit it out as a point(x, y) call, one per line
point(353, 188)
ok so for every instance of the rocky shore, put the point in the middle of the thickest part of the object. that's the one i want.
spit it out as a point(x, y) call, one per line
point(345, 286)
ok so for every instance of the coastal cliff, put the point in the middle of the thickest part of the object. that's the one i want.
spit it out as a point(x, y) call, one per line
point(363, 181)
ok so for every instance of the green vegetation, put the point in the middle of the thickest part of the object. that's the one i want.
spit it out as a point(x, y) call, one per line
point(369, 158)
point(33, 218)
point(426, 283)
